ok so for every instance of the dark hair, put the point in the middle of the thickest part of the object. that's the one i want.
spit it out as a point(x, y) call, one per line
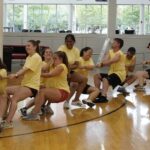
point(43, 51)
point(2, 65)
point(36, 44)
point(70, 36)
point(132, 50)
point(85, 49)
point(120, 41)
point(148, 45)
point(63, 55)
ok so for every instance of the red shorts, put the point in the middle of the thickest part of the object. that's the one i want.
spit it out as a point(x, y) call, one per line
point(64, 95)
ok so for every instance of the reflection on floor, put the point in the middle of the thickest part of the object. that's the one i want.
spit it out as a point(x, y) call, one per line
point(111, 126)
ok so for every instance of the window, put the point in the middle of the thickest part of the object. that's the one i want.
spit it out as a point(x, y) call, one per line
point(18, 17)
point(91, 18)
point(54, 18)
point(128, 17)
point(147, 19)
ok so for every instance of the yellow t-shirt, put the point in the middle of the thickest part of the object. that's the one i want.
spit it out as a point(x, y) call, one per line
point(83, 62)
point(129, 62)
point(3, 82)
point(118, 67)
point(59, 81)
point(48, 66)
point(32, 76)
point(72, 54)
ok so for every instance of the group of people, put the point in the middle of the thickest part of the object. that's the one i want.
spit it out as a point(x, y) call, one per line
point(57, 76)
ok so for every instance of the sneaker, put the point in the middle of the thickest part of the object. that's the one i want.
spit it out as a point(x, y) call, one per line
point(41, 113)
point(23, 111)
point(48, 109)
point(43, 109)
point(32, 117)
point(139, 88)
point(66, 105)
point(88, 102)
point(6, 125)
point(78, 103)
point(123, 91)
point(137, 85)
point(101, 99)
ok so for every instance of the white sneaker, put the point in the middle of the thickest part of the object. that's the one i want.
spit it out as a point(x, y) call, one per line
point(66, 105)
point(78, 103)
point(88, 102)
point(6, 125)
point(31, 117)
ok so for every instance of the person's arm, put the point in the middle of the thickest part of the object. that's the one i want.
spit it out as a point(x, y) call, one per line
point(74, 65)
point(59, 69)
point(89, 67)
point(111, 61)
point(132, 66)
point(19, 73)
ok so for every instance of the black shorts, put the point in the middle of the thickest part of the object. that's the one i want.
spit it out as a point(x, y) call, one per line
point(34, 92)
point(86, 89)
point(148, 71)
point(113, 79)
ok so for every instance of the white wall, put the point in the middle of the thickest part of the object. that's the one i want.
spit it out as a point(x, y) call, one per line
point(95, 41)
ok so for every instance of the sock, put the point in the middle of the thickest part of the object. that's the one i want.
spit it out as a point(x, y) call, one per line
point(125, 85)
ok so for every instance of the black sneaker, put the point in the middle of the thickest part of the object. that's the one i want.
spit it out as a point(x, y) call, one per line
point(101, 99)
point(43, 109)
point(88, 102)
point(123, 91)
point(23, 111)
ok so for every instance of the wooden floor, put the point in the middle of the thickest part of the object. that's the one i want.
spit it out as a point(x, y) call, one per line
point(118, 125)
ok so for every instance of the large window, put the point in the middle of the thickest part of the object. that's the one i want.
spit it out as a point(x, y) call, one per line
point(18, 17)
point(147, 19)
point(128, 17)
point(91, 18)
point(55, 18)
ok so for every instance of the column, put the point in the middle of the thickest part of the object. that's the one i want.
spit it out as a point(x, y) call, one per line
point(112, 13)
point(141, 24)
point(25, 17)
point(1, 29)
point(70, 19)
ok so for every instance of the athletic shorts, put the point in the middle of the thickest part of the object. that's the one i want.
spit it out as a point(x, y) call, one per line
point(64, 95)
point(113, 79)
point(34, 91)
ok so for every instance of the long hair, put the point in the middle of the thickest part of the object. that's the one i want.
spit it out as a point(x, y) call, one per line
point(36, 44)
point(63, 56)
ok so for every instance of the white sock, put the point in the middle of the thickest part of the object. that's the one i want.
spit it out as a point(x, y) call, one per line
point(125, 85)
point(89, 100)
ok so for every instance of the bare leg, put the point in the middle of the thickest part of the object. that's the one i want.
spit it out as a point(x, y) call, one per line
point(81, 80)
point(3, 105)
point(97, 80)
point(73, 88)
point(141, 76)
point(50, 94)
point(93, 93)
point(105, 87)
point(23, 93)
